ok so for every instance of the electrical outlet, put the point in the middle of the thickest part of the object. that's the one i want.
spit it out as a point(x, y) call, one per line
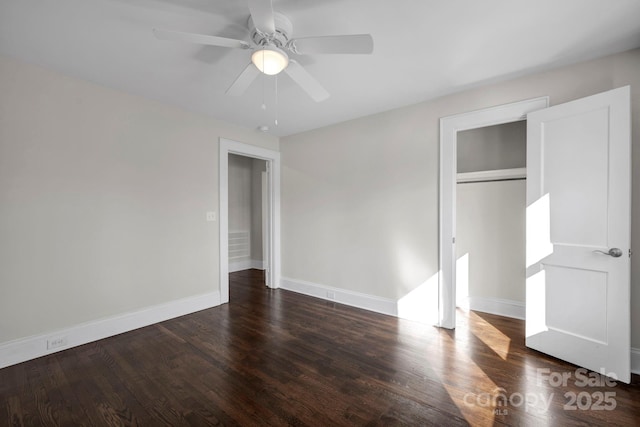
point(56, 342)
point(331, 295)
point(211, 216)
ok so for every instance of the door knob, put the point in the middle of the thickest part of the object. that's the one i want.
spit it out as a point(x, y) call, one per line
point(614, 252)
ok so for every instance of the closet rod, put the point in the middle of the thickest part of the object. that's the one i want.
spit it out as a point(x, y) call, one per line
point(491, 180)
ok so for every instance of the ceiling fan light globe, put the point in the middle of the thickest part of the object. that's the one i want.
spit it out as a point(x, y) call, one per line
point(270, 60)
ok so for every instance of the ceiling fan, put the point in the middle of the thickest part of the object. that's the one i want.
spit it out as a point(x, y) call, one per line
point(271, 36)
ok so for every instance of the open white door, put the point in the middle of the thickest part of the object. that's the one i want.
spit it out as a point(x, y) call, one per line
point(579, 232)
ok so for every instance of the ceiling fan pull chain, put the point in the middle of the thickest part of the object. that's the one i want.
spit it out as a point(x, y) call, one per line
point(264, 102)
point(276, 121)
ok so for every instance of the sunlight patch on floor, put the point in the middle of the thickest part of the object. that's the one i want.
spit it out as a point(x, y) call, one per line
point(491, 336)
point(471, 390)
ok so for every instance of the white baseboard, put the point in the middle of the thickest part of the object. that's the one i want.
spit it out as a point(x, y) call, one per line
point(245, 264)
point(18, 351)
point(239, 265)
point(498, 306)
point(501, 307)
point(24, 349)
point(342, 296)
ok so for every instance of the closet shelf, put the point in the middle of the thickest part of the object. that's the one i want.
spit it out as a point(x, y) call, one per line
point(492, 175)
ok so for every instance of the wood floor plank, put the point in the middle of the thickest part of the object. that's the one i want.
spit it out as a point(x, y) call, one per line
point(273, 357)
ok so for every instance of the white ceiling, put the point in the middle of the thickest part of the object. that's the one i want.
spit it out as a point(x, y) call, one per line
point(422, 49)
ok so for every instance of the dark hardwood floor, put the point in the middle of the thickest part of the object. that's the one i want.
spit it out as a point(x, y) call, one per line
point(273, 357)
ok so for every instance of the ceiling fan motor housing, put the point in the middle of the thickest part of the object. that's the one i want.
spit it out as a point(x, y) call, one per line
point(284, 29)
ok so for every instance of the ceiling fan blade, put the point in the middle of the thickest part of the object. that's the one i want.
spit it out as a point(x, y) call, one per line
point(243, 81)
point(262, 16)
point(200, 39)
point(356, 43)
point(306, 81)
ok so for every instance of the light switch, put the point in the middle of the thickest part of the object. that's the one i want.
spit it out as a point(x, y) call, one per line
point(211, 216)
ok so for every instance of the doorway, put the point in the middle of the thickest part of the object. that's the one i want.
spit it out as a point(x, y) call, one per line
point(449, 129)
point(247, 177)
point(490, 223)
point(271, 230)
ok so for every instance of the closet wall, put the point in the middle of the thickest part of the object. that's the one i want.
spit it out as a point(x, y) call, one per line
point(490, 238)
point(245, 213)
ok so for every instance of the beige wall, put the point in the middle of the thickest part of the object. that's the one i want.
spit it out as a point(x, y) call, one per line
point(239, 193)
point(493, 147)
point(490, 231)
point(360, 199)
point(103, 198)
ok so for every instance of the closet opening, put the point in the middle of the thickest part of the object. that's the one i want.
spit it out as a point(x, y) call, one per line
point(450, 128)
point(490, 219)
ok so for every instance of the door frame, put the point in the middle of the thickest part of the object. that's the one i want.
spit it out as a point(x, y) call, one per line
point(449, 128)
point(272, 273)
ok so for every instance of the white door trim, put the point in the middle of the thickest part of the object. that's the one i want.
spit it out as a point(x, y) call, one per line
point(273, 159)
point(449, 128)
